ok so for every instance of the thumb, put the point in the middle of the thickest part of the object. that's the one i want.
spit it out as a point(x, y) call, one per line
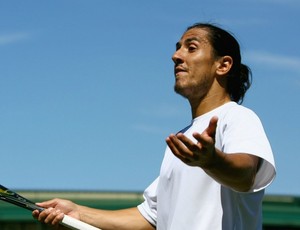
point(212, 127)
point(47, 204)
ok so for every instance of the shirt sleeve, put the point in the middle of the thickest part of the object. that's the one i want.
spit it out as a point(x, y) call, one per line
point(243, 133)
point(148, 208)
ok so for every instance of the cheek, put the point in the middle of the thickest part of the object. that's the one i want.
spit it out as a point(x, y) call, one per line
point(204, 67)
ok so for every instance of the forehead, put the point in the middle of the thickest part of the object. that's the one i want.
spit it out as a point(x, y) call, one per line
point(196, 34)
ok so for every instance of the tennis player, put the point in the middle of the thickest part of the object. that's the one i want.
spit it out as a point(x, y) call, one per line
point(216, 169)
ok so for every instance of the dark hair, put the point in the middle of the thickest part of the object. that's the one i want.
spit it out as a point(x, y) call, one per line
point(223, 43)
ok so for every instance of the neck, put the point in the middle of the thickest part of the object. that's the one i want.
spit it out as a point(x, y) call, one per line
point(208, 103)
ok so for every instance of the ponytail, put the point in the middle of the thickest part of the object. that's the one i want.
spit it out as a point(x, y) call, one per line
point(239, 82)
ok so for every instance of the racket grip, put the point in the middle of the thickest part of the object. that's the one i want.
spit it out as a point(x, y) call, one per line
point(75, 224)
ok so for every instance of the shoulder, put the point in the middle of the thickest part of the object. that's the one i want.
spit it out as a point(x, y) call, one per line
point(232, 108)
point(238, 114)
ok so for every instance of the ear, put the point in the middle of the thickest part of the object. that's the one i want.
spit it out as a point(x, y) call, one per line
point(224, 65)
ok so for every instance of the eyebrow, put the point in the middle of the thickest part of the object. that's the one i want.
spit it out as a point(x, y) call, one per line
point(188, 40)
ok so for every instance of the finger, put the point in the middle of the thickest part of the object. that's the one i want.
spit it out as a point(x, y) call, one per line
point(211, 129)
point(48, 204)
point(178, 148)
point(208, 135)
point(172, 143)
point(35, 214)
point(54, 216)
point(188, 143)
point(43, 215)
point(58, 219)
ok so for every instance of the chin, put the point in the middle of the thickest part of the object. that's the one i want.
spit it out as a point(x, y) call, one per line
point(181, 91)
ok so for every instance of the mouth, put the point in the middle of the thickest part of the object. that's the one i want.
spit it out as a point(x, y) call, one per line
point(179, 70)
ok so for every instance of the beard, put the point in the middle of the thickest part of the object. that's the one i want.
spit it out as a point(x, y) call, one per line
point(192, 89)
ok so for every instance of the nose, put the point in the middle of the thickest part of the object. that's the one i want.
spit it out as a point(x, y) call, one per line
point(177, 57)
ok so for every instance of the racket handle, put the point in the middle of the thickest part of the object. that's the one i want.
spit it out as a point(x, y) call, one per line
point(75, 224)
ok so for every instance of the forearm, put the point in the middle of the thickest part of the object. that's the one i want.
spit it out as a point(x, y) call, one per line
point(236, 171)
point(126, 219)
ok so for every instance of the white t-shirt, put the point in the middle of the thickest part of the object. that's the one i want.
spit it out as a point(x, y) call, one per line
point(186, 198)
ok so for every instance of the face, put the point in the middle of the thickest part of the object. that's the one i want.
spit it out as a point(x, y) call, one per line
point(195, 64)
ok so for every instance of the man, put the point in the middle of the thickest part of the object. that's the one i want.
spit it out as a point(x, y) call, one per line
point(215, 170)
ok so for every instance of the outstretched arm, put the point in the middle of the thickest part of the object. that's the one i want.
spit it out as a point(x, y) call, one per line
point(126, 219)
point(236, 171)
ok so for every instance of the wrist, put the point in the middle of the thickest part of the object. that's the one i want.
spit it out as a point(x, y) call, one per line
point(215, 160)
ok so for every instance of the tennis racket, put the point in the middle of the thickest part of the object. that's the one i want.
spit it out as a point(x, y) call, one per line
point(16, 199)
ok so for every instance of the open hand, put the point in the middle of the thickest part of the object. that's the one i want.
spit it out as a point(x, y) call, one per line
point(200, 154)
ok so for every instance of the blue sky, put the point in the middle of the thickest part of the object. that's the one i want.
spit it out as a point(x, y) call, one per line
point(86, 87)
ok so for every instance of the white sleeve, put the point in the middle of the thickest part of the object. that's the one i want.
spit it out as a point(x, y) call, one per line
point(244, 133)
point(148, 208)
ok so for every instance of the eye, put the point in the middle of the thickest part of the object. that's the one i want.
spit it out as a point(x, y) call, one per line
point(192, 48)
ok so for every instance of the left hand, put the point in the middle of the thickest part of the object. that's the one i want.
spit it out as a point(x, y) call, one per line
point(200, 154)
